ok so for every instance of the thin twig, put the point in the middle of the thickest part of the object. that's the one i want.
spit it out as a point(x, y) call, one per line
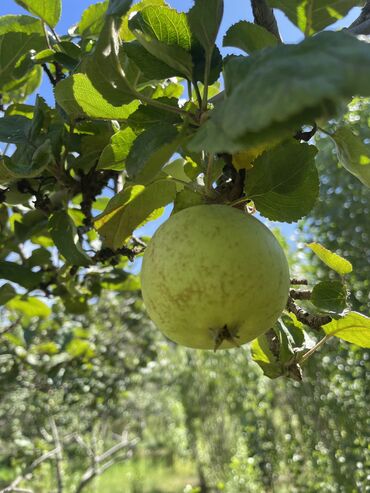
point(46, 69)
point(197, 92)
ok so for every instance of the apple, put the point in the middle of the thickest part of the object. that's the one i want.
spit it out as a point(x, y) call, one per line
point(214, 277)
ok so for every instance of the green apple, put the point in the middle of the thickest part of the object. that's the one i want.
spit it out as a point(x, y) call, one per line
point(214, 276)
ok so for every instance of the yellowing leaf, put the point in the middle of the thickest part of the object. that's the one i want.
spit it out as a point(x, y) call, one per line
point(128, 209)
point(332, 260)
point(353, 327)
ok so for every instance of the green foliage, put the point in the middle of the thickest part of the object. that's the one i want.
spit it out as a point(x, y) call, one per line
point(48, 12)
point(283, 182)
point(353, 154)
point(312, 16)
point(353, 327)
point(249, 37)
point(80, 175)
point(330, 296)
point(332, 260)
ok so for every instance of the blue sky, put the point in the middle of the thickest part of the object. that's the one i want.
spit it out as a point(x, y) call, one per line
point(235, 10)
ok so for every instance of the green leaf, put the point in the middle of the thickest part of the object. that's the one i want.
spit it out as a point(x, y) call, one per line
point(330, 296)
point(64, 234)
point(353, 327)
point(249, 37)
point(283, 182)
point(150, 151)
point(79, 98)
point(48, 11)
point(204, 20)
point(147, 116)
point(34, 222)
point(314, 15)
point(20, 275)
point(166, 35)
point(353, 154)
point(114, 154)
point(18, 90)
point(187, 198)
point(92, 20)
point(30, 307)
point(125, 33)
point(103, 67)
point(13, 47)
point(20, 24)
point(263, 356)
point(332, 260)
point(80, 348)
point(150, 66)
point(128, 209)
point(321, 72)
point(7, 292)
point(24, 167)
point(14, 129)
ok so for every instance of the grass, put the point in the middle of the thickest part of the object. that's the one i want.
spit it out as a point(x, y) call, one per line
point(140, 476)
point(145, 477)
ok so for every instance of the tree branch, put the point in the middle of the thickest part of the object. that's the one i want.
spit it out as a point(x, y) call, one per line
point(313, 321)
point(58, 455)
point(100, 465)
point(264, 16)
point(300, 295)
point(362, 24)
point(28, 471)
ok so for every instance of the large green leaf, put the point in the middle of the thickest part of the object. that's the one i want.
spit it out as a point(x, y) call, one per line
point(249, 37)
point(20, 24)
point(79, 98)
point(166, 35)
point(314, 15)
point(353, 327)
point(115, 153)
point(29, 306)
point(92, 20)
point(150, 151)
point(353, 154)
point(18, 90)
point(284, 87)
point(330, 296)
point(19, 274)
point(64, 234)
point(125, 33)
point(151, 67)
point(103, 66)
point(128, 209)
point(283, 182)
point(331, 259)
point(204, 20)
point(13, 47)
point(48, 10)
